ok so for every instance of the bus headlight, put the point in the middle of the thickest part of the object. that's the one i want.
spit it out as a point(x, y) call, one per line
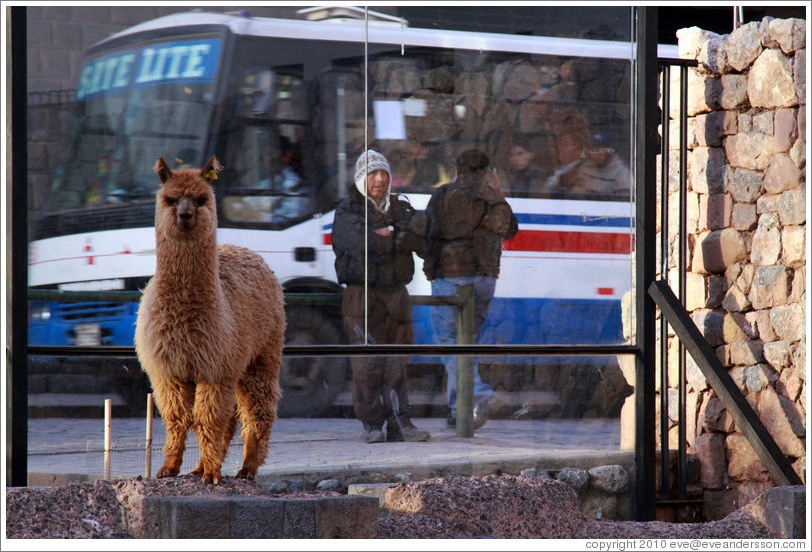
point(40, 312)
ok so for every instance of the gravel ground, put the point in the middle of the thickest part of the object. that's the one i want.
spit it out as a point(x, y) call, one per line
point(492, 506)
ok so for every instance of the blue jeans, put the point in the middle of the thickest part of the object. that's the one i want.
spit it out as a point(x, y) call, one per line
point(444, 325)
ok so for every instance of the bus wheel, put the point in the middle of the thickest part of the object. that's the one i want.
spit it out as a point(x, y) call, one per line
point(310, 384)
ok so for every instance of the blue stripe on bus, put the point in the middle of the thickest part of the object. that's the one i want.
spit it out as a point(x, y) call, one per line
point(574, 220)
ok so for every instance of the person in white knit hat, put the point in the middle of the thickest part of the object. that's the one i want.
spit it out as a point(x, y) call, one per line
point(374, 235)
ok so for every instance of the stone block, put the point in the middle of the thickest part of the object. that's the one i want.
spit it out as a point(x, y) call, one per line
point(719, 503)
point(793, 246)
point(253, 518)
point(748, 491)
point(711, 324)
point(346, 517)
point(763, 122)
point(766, 246)
point(735, 327)
point(715, 251)
point(743, 464)
point(749, 150)
point(788, 321)
point(711, 128)
point(735, 300)
point(798, 293)
point(799, 70)
point(375, 490)
point(714, 417)
point(759, 376)
point(574, 477)
point(790, 385)
point(186, 517)
point(609, 479)
point(746, 352)
point(768, 204)
point(710, 451)
point(744, 185)
point(734, 92)
point(770, 83)
point(743, 216)
point(770, 287)
point(785, 512)
point(783, 421)
point(786, 128)
point(744, 46)
point(792, 207)
point(706, 169)
point(777, 353)
point(782, 174)
point(300, 520)
point(715, 211)
point(788, 33)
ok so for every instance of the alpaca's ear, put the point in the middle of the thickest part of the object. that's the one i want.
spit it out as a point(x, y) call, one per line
point(210, 169)
point(163, 170)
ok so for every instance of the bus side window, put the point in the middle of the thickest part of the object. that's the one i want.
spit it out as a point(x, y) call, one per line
point(268, 183)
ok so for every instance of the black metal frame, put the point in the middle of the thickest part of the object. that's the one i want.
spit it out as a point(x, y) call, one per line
point(646, 117)
point(16, 303)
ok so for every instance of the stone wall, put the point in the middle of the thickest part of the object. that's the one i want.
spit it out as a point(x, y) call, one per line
point(746, 249)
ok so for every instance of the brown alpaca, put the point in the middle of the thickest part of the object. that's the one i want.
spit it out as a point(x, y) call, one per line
point(210, 330)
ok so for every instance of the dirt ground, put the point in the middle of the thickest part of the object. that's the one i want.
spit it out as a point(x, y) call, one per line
point(501, 507)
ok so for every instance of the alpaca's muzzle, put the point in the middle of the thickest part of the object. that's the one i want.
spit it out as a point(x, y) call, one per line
point(185, 218)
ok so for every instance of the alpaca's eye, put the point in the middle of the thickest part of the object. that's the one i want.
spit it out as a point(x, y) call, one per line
point(171, 201)
point(201, 201)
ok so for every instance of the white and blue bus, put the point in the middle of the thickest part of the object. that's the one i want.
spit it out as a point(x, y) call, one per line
point(287, 106)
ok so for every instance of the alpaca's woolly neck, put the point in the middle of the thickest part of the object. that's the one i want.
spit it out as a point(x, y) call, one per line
point(187, 272)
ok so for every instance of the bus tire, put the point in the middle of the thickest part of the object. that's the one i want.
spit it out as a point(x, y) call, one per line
point(310, 384)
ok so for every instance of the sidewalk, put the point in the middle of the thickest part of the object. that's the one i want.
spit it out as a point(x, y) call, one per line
point(312, 449)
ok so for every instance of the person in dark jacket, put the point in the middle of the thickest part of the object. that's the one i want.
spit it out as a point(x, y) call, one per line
point(466, 222)
point(374, 235)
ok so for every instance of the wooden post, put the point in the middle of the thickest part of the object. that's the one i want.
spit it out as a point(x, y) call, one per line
point(108, 414)
point(148, 467)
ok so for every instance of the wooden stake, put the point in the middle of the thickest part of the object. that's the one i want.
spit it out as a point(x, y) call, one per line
point(108, 414)
point(148, 468)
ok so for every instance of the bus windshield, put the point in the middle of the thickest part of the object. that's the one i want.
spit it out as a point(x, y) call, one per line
point(133, 106)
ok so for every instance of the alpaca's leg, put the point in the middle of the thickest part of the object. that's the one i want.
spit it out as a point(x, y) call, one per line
point(174, 400)
point(227, 436)
point(213, 410)
point(257, 396)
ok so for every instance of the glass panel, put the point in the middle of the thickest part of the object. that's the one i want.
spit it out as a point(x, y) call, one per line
point(541, 408)
point(288, 105)
point(551, 113)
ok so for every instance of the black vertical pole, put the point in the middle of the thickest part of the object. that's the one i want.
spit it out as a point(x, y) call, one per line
point(646, 146)
point(17, 219)
point(665, 481)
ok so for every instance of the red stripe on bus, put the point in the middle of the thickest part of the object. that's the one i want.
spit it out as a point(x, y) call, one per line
point(328, 239)
point(570, 242)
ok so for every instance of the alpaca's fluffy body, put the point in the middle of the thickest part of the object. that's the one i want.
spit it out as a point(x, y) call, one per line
point(210, 331)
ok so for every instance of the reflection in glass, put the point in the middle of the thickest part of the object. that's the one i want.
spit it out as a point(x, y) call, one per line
point(288, 107)
point(540, 404)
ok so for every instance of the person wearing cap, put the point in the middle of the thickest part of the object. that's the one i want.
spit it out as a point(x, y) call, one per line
point(466, 222)
point(603, 171)
point(374, 235)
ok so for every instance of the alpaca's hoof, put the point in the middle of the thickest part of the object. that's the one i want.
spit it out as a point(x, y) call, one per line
point(166, 472)
point(246, 474)
point(213, 478)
